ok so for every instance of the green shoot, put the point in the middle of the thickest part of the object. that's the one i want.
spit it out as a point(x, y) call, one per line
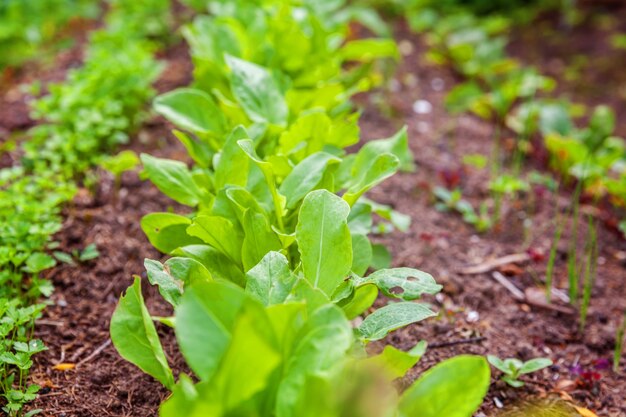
point(591, 255)
point(619, 344)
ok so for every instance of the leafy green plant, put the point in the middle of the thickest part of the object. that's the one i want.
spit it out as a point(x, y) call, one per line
point(513, 368)
point(302, 350)
point(30, 28)
point(273, 261)
point(453, 201)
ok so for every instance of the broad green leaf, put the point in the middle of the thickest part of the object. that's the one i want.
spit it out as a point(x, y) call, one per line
point(268, 173)
point(391, 317)
point(305, 177)
point(324, 240)
point(554, 118)
point(192, 110)
point(362, 299)
point(367, 50)
point(191, 400)
point(304, 291)
point(404, 283)
point(323, 347)
point(218, 232)
point(135, 337)
point(219, 265)
point(395, 362)
point(167, 231)
point(361, 254)
point(498, 363)
point(306, 135)
point(172, 277)
point(200, 151)
point(257, 92)
point(453, 388)
point(232, 167)
point(173, 179)
point(360, 219)
point(381, 258)
point(249, 360)
point(205, 319)
point(370, 173)
point(271, 280)
point(534, 365)
point(259, 239)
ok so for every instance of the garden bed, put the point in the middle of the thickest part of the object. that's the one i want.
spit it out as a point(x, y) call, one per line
point(479, 315)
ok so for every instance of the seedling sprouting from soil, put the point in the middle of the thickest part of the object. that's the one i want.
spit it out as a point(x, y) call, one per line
point(514, 368)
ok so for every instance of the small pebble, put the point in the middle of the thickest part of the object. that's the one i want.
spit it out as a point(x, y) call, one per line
point(422, 107)
point(472, 317)
point(405, 47)
point(497, 402)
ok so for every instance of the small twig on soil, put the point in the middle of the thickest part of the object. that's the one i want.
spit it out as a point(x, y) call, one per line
point(95, 352)
point(50, 323)
point(523, 298)
point(494, 263)
point(457, 342)
point(515, 292)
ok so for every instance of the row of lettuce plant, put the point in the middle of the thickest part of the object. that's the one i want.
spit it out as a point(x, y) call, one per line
point(81, 119)
point(511, 95)
point(268, 275)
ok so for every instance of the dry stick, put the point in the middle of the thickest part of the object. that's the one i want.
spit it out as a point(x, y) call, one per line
point(502, 280)
point(95, 352)
point(494, 263)
point(521, 297)
point(457, 342)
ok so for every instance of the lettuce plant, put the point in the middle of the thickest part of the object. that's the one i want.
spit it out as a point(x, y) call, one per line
point(255, 358)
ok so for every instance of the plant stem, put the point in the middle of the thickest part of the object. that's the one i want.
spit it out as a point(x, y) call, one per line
point(619, 343)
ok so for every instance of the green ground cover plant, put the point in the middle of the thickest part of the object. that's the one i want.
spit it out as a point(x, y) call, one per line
point(82, 118)
point(28, 27)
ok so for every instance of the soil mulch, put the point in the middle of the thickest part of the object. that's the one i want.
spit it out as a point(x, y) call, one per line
point(478, 315)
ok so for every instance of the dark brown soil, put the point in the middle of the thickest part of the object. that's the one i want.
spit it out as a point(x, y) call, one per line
point(589, 69)
point(474, 307)
point(86, 295)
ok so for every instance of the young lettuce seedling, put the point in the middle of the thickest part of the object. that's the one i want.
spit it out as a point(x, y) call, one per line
point(514, 368)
